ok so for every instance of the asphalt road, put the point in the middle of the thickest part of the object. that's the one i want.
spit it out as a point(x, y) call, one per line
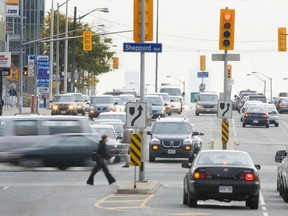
point(45, 192)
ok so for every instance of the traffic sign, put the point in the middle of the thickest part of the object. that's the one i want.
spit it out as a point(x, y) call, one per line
point(225, 109)
point(202, 74)
point(5, 71)
point(142, 47)
point(135, 149)
point(136, 115)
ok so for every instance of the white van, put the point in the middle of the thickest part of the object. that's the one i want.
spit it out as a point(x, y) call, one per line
point(23, 131)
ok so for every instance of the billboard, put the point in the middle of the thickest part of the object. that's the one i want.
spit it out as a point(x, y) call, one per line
point(5, 59)
point(12, 8)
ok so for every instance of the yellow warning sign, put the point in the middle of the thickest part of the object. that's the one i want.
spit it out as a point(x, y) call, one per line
point(225, 131)
point(135, 149)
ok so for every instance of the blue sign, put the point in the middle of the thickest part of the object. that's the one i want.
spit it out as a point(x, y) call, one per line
point(142, 47)
point(43, 67)
point(202, 74)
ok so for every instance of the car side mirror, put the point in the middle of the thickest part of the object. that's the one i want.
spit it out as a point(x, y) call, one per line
point(280, 155)
point(186, 165)
point(258, 167)
point(119, 136)
point(149, 133)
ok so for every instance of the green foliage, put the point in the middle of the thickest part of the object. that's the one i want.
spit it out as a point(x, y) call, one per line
point(87, 63)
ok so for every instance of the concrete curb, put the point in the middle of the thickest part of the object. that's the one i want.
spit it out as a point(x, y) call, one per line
point(146, 187)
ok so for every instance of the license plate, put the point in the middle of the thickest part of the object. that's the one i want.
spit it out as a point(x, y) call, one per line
point(171, 151)
point(63, 111)
point(208, 110)
point(255, 121)
point(225, 189)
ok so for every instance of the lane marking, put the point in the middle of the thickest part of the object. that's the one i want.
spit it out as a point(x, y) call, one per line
point(262, 202)
point(5, 188)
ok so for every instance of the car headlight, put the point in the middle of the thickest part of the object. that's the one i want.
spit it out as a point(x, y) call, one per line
point(187, 142)
point(198, 106)
point(71, 106)
point(79, 106)
point(168, 106)
point(155, 141)
point(163, 110)
point(55, 107)
point(215, 107)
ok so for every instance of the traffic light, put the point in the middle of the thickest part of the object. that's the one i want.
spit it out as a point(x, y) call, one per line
point(17, 74)
point(282, 40)
point(148, 20)
point(10, 77)
point(229, 71)
point(202, 63)
point(87, 40)
point(25, 71)
point(226, 34)
point(115, 62)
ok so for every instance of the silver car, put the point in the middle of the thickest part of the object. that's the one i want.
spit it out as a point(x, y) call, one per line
point(273, 114)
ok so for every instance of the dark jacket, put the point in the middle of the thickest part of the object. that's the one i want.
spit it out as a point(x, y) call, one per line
point(1, 103)
point(102, 150)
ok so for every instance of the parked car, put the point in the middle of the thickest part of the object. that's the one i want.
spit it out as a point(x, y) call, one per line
point(176, 104)
point(64, 104)
point(61, 151)
point(223, 175)
point(256, 115)
point(207, 102)
point(173, 138)
point(101, 103)
point(157, 105)
point(282, 173)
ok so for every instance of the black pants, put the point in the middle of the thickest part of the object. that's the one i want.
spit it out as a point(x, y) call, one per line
point(100, 164)
point(44, 99)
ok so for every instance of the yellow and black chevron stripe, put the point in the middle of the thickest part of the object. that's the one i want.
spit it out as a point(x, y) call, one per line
point(135, 149)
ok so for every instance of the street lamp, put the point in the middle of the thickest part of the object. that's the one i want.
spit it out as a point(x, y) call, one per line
point(104, 10)
point(183, 82)
point(264, 81)
point(270, 80)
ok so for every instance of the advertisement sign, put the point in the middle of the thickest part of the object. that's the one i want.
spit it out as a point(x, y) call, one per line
point(12, 8)
point(5, 59)
point(31, 64)
point(43, 70)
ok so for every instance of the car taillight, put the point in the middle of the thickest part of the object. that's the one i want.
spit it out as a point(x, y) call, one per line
point(265, 116)
point(282, 104)
point(249, 177)
point(200, 175)
point(246, 115)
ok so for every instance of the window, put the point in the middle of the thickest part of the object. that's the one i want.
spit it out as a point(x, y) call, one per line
point(25, 127)
point(62, 126)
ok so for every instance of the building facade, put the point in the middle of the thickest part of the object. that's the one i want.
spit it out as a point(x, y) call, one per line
point(2, 25)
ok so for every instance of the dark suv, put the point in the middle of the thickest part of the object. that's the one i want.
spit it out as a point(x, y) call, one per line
point(173, 138)
point(64, 104)
point(101, 103)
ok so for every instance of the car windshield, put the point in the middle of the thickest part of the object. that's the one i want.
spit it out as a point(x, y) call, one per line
point(175, 99)
point(172, 128)
point(222, 158)
point(63, 98)
point(98, 131)
point(208, 97)
point(255, 109)
point(113, 116)
point(171, 91)
point(263, 99)
point(78, 97)
point(102, 100)
point(156, 101)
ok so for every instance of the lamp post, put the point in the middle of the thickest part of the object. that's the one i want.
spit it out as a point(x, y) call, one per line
point(270, 80)
point(104, 10)
point(264, 81)
point(156, 63)
point(183, 83)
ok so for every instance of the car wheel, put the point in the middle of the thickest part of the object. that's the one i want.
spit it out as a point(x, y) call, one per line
point(185, 197)
point(179, 112)
point(190, 159)
point(285, 193)
point(267, 125)
point(197, 114)
point(243, 125)
point(169, 114)
point(192, 201)
point(32, 163)
point(278, 184)
point(83, 113)
point(241, 119)
point(253, 202)
point(276, 124)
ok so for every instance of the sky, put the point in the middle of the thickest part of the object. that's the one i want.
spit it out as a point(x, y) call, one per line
point(188, 29)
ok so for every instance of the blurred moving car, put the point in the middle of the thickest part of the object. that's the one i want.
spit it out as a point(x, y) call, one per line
point(256, 115)
point(115, 148)
point(273, 114)
point(223, 175)
point(173, 138)
point(282, 173)
point(61, 151)
point(101, 103)
point(64, 104)
point(113, 115)
point(207, 102)
point(157, 105)
point(176, 104)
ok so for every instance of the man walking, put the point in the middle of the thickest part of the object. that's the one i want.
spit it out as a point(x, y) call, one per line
point(45, 95)
point(13, 95)
point(101, 162)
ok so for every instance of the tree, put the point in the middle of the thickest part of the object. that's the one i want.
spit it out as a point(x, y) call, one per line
point(87, 63)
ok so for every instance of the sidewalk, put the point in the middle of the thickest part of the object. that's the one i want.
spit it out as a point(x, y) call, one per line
point(25, 110)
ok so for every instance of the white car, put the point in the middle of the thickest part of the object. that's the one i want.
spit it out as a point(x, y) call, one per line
point(175, 104)
point(113, 115)
point(273, 114)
